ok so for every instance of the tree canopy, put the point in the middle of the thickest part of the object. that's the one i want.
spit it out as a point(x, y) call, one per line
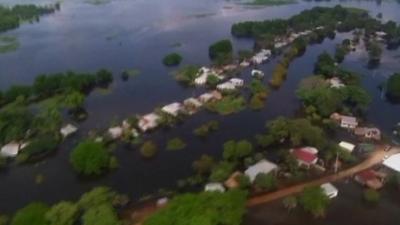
point(62, 213)
point(236, 150)
point(32, 214)
point(90, 158)
point(315, 201)
point(393, 87)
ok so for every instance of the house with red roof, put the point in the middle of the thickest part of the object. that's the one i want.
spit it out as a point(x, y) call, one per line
point(370, 178)
point(306, 156)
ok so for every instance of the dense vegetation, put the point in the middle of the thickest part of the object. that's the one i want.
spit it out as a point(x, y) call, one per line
point(187, 74)
point(211, 208)
point(207, 128)
point(221, 51)
point(227, 105)
point(314, 201)
point(11, 17)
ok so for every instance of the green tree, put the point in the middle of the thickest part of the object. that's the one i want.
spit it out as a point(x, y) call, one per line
point(104, 77)
point(74, 100)
point(176, 144)
point(393, 87)
point(203, 165)
point(100, 215)
point(90, 158)
point(374, 51)
point(172, 59)
point(62, 213)
point(32, 214)
point(97, 196)
point(315, 201)
point(265, 181)
point(234, 151)
point(222, 48)
point(148, 149)
point(222, 171)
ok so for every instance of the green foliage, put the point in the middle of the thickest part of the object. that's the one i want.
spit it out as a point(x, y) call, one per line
point(203, 165)
point(222, 48)
point(243, 181)
point(4, 219)
point(393, 87)
point(100, 215)
point(374, 51)
point(14, 123)
point(176, 144)
point(265, 181)
point(42, 144)
point(314, 200)
point(172, 59)
point(257, 86)
point(206, 208)
point(257, 101)
point(62, 213)
point(8, 44)
point(187, 74)
point(245, 54)
point(278, 75)
point(227, 105)
point(371, 196)
point(234, 151)
point(104, 77)
point(212, 80)
point(148, 149)
point(32, 214)
point(74, 100)
point(90, 158)
point(222, 171)
point(205, 129)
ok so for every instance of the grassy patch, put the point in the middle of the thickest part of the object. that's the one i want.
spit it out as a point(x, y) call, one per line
point(8, 44)
point(176, 144)
point(227, 105)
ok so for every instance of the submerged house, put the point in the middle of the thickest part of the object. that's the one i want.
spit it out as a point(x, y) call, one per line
point(257, 73)
point(369, 133)
point(336, 82)
point(192, 105)
point(148, 122)
point(210, 96)
point(173, 109)
point(263, 166)
point(115, 132)
point(261, 56)
point(306, 156)
point(203, 73)
point(231, 84)
point(348, 122)
point(12, 149)
point(347, 146)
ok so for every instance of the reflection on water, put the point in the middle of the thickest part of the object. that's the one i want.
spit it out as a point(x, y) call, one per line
point(127, 34)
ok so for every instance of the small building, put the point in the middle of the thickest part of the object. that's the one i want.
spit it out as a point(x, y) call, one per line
point(257, 73)
point(201, 80)
point(162, 201)
point(237, 82)
point(214, 187)
point(232, 182)
point(347, 146)
point(261, 56)
point(348, 122)
point(230, 67)
point(263, 166)
point(306, 156)
point(380, 34)
point(370, 179)
point(244, 63)
point(210, 96)
point(330, 190)
point(335, 82)
point(173, 109)
point(393, 162)
point(68, 130)
point(148, 122)
point(115, 132)
point(12, 149)
point(369, 133)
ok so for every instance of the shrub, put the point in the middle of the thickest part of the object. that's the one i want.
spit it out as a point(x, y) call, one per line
point(227, 105)
point(203, 165)
point(243, 181)
point(90, 158)
point(206, 128)
point(393, 87)
point(32, 214)
point(148, 149)
point(176, 144)
point(104, 77)
point(314, 200)
point(265, 181)
point(62, 213)
point(222, 171)
point(187, 74)
point(222, 48)
point(42, 144)
point(172, 59)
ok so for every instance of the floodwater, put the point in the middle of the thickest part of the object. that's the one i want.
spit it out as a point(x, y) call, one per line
point(125, 34)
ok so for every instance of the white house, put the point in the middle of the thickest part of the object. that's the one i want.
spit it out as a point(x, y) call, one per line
point(148, 121)
point(335, 82)
point(347, 146)
point(257, 73)
point(12, 149)
point(115, 132)
point(68, 130)
point(330, 190)
point(214, 187)
point(192, 105)
point(393, 162)
point(348, 122)
point(263, 166)
point(244, 63)
point(261, 56)
point(173, 109)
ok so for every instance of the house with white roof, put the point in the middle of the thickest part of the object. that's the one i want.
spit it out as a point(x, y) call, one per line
point(203, 74)
point(237, 82)
point(257, 73)
point(173, 109)
point(329, 190)
point(393, 162)
point(192, 105)
point(263, 166)
point(68, 130)
point(261, 56)
point(148, 122)
point(115, 132)
point(335, 82)
point(347, 146)
point(12, 149)
point(244, 63)
point(214, 187)
point(226, 86)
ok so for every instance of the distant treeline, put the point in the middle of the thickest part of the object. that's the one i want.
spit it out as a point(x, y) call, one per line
point(11, 17)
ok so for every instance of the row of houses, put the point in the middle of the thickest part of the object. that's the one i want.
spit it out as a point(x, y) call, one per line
point(351, 123)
